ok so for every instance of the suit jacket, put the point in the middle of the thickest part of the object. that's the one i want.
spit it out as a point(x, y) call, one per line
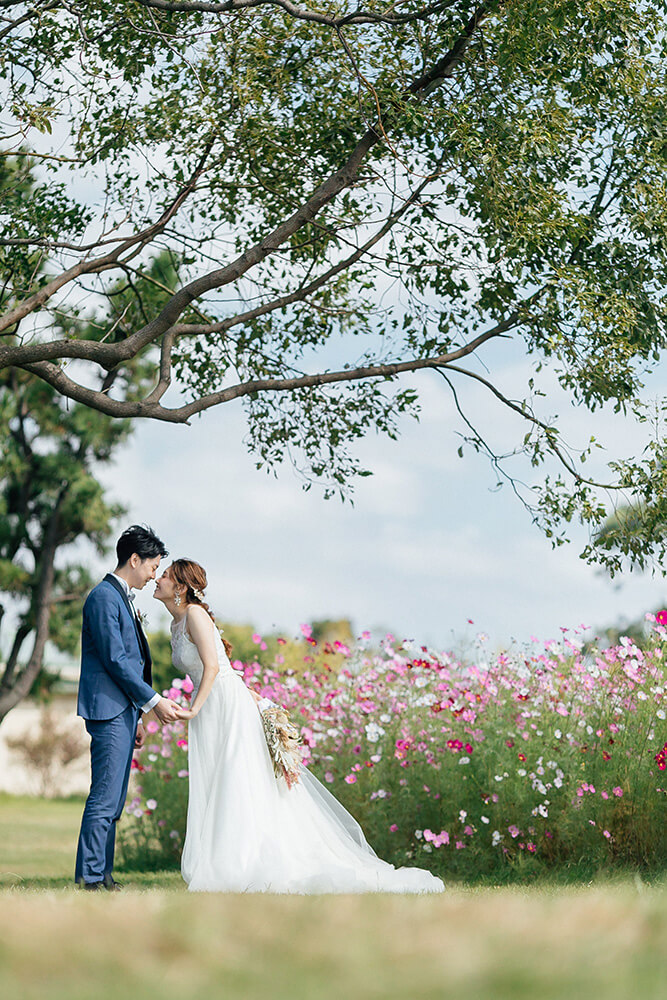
point(115, 658)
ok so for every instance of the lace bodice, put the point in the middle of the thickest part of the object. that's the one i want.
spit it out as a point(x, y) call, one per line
point(186, 657)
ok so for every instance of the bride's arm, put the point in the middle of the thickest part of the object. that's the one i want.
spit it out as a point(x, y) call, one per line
point(200, 628)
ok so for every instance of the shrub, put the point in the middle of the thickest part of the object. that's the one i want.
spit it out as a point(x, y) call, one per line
point(524, 761)
point(48, 750)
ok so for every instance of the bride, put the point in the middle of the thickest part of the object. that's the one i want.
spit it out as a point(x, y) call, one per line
point(246, 830)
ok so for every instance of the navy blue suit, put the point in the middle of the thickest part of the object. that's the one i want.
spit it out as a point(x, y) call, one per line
point(115, 682)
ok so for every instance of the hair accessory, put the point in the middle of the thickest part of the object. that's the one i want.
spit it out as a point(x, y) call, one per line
point(199, 594)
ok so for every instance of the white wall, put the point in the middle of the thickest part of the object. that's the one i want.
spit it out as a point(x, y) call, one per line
point(15, 777)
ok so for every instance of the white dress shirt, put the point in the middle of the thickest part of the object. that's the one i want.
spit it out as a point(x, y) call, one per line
point(124, 584)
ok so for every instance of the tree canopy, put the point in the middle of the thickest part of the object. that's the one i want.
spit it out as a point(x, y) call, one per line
point(353, 192)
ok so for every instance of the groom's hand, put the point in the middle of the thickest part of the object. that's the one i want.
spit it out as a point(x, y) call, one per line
point(140, 738)
point(167, 710)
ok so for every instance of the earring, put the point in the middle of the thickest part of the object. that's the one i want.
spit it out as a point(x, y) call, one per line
point(177, 600)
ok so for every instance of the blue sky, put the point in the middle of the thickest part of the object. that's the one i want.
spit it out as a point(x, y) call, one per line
point(427, 545)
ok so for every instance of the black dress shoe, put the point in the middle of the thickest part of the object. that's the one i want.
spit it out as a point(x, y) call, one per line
point(110, 884)
point(93, 886)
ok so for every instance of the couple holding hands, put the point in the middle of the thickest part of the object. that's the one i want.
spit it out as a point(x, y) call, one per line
point(249, 828)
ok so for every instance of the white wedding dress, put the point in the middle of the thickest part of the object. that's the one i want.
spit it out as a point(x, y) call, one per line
point(246, 831)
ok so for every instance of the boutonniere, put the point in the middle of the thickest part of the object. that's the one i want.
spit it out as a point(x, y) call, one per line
point(142, 618)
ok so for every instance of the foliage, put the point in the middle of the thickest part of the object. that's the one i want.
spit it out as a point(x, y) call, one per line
point(354, 194)
point(504, 767)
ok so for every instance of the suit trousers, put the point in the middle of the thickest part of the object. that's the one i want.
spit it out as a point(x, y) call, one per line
point(111, 746)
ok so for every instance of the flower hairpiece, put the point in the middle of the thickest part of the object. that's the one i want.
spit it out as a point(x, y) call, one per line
point(199, 594)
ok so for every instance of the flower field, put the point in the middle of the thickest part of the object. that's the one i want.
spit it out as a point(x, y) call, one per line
point(501, 765)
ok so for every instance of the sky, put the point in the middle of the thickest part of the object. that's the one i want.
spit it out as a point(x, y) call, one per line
point(428, 545)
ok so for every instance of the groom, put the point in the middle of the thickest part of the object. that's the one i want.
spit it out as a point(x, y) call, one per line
point(114, 688)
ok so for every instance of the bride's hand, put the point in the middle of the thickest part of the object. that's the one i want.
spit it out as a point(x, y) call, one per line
point(186, 714)
point(256, 696)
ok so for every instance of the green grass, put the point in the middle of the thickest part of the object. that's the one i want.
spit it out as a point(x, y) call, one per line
point(38, 838)
point(157, 940)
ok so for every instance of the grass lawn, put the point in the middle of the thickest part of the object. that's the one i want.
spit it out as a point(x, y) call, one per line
point(156, 940)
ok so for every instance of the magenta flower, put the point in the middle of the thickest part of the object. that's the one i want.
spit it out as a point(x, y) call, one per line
point(618, 792)
point(661, 617)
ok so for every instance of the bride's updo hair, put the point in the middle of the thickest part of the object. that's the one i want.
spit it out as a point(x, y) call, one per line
point(190, 574)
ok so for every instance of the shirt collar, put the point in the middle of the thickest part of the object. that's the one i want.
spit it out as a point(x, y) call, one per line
point(124, 585)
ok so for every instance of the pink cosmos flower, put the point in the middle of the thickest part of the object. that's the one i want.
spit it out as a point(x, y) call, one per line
point(350, 779)
point(393, 828)
point(513, 831)
point(618, 792)
point(661, 617)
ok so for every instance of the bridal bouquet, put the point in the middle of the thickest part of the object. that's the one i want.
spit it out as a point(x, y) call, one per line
point(283, 740)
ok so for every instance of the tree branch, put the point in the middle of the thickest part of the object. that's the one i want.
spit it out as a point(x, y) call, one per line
point(548, 431)
point(359, 16)
point(56, 377)
point(35, 12)
point(109, 355)
point(194, 329)
point(86, 350)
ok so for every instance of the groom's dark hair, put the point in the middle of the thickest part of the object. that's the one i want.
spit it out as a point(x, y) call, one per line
point(141, 539)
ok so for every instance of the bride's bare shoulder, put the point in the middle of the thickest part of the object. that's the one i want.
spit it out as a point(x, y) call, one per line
point(198, 620)
point(195, 612)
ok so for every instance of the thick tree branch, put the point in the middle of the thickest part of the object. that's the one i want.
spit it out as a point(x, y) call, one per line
point(302, 293)
point(56, 377)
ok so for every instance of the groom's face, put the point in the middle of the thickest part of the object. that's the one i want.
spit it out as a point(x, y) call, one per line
point(142, 570)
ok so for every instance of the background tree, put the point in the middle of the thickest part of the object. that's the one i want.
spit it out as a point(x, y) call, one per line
point(50, 499)
point(357, 193)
